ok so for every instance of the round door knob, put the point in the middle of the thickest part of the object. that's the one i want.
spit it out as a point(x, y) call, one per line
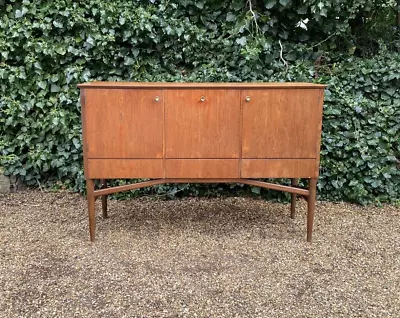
point(202, 98)
point(157, 99)
point(247, 98)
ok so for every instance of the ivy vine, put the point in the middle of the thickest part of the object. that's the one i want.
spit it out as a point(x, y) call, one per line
point(48, 47)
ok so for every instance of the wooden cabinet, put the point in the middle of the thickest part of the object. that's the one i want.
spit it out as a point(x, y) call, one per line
point(209, 132)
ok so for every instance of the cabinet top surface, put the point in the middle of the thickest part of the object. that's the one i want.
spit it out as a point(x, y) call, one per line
point(258, 85)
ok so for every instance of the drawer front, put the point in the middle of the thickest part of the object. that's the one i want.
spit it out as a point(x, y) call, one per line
point(279, 168)
point(125, 168)
point(202, 168)
point(202, 123)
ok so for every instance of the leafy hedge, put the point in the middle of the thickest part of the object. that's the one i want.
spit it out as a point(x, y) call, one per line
point(48, 47)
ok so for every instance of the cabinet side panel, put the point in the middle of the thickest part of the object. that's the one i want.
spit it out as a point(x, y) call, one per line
point(84, 141)
point(124, 123)
point(318, 141)
point(281, 123)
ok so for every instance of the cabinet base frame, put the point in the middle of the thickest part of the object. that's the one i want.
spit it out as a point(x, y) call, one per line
point(309, 194)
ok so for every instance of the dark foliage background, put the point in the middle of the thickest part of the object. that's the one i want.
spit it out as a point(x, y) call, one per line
point(48, 47)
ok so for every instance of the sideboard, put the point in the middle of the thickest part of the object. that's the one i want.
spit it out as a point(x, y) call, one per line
point(201, 133)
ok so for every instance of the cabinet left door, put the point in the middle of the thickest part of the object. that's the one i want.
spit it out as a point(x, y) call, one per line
point(124, 123)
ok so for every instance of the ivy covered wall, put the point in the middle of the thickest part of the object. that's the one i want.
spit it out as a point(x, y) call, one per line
point(48, 47)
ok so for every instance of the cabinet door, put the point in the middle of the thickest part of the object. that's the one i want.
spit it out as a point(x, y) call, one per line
point(123, 123)
point(281, 123)
point(202, 123)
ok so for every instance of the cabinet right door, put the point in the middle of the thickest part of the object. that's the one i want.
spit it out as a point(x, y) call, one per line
point(281, 123)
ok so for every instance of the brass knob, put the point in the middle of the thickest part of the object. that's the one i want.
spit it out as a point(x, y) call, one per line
point(247, 98)
point(202, 98)
point(157, 99)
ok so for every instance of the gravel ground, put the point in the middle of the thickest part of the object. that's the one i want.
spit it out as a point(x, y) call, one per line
point(229, 257)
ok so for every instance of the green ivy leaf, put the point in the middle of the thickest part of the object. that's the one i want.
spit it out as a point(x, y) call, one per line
point(284, 35)
point(129, 61)
point(54, 78)
point(230, 17)
point(241, 41)
point(18, 14)
point(302, 10)
point(42, 84)
point(168, 30)
point(21, 13)
point(76, 143)
point(284, 2)
point(256, 190)
point(54, 88)
point(237, 4)
point(391, 91)
point(199, 4)
point(60, 50)
point(58, 24)
point(270, 4)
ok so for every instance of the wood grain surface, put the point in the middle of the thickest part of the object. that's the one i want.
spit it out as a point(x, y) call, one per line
point(202, 129)
point(281, 123)
point(278, 168)
point(124, 123)
point(160, 85)
point(201, 132)
point(201, 168)
point(125, 168)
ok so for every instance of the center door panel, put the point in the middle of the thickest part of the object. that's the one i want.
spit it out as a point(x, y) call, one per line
point(202, 123)
point(202, 133)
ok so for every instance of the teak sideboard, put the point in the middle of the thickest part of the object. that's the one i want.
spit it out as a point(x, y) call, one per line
point(201, 132)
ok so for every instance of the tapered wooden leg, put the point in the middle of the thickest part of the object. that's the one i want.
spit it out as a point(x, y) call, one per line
point(293, 183)
point(104, 198)
point(91, 210)
point(312, 188)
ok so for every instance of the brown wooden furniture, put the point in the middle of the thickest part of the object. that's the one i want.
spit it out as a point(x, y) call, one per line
point(208, 132)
